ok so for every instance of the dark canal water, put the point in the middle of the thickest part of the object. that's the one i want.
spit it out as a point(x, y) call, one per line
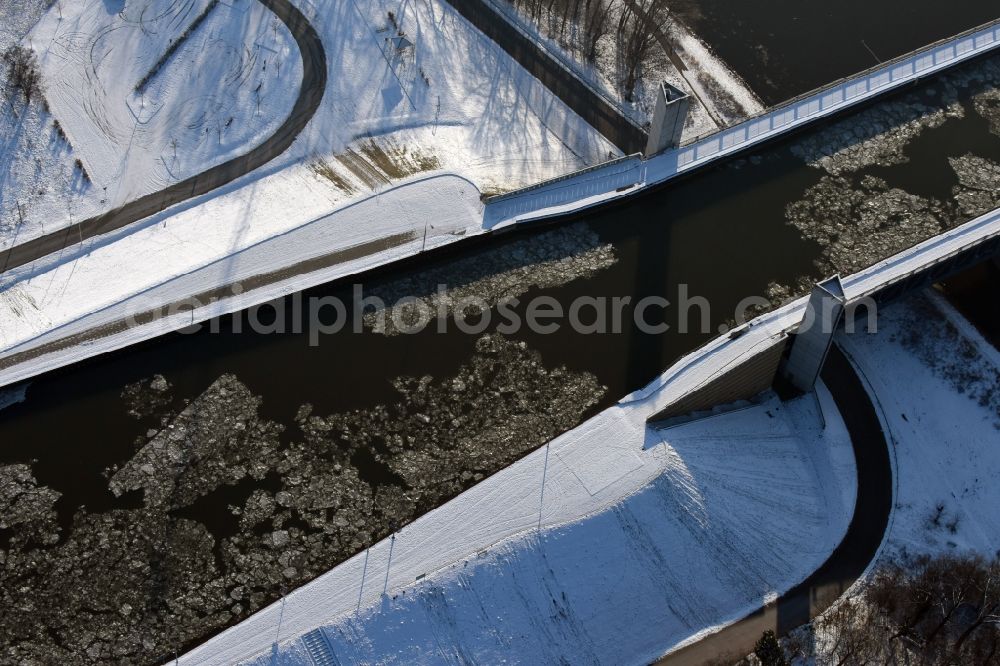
point(783, 48)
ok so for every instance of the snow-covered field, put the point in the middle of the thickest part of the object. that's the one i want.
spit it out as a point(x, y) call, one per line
point(437, 96)
point(454, 98)
point(32, 164)
point(612, 544)
point(937, 382)
point(228, 85)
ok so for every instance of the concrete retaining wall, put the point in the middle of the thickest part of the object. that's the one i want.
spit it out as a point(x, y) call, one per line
point(601, 112)
point(742, 382)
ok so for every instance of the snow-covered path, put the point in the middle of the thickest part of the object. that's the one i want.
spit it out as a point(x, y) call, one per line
point(47, 326)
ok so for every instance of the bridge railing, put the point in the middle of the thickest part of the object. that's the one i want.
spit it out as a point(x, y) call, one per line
point(497, 198)
point(841, 95)
point(925, 255)
point(826, 87)
point(593, 184)
point(769, 124)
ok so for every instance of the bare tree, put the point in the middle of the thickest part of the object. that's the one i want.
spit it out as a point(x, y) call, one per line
point(587, 22)
point(22, 70)
point(941, 610)
point(596, 18)
point(638, 26)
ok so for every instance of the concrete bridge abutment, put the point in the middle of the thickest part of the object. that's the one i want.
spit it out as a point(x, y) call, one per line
point(811, 343)
point(669, 118)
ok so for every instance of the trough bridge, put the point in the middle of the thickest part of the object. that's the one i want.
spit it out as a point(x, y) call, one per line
point(625, 176)
point(790, 345)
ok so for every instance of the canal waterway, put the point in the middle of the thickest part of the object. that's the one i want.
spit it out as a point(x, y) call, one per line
point(783, 48)
point(156, 495)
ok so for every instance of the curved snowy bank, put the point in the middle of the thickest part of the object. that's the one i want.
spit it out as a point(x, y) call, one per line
point(613, 543)
point(855, 553)
point(937, 382)
point(89, 316)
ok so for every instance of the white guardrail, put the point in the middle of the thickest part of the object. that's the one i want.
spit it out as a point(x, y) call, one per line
point(605, 182)
point(842, 94)
point(923, 256)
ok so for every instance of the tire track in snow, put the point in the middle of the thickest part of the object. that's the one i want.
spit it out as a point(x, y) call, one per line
point(467, 583)
point(728, 545)
point(310, 95)
point(444, 626)
point(680, 597)
point(559, 627)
